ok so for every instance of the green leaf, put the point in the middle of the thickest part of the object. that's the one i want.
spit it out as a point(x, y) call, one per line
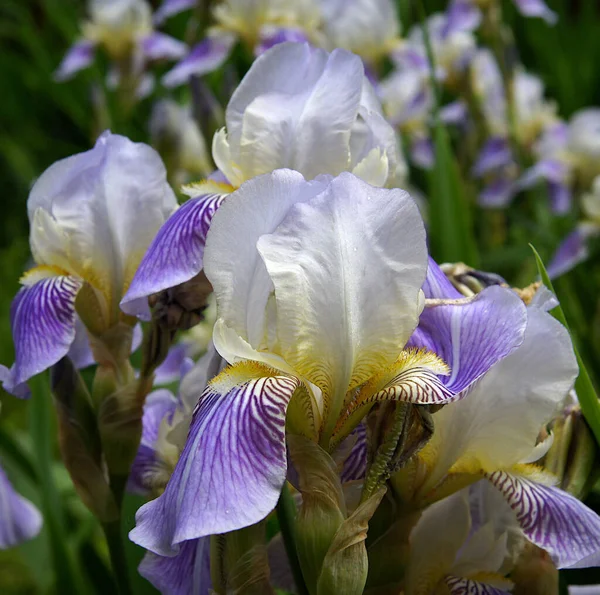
point(588, 399)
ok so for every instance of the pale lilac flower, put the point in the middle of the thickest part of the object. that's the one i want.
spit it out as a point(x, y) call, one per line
point(92, 217)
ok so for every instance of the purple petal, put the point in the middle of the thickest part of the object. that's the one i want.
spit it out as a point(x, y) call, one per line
point(233, 465)
point(43, 326)
point(472, 337)
point(171, 369)
point(571, 251)
point(536, 8)
point(497, 193)
point(205, 57)
point(465, 586)
point(159, 405)
point(437, 285)
point(552, 170)
point(454, 113)
point(495, 154)
point(157, 46)
point(355, 466)
point(20, 520)
point(79, 56)
point(175, 255)
point(187, 573)
point(463, 15)
point(561, 197)
point(80, 352)
point(422, 153)
point(170, 8)
point(553, 520)
point(274, 37)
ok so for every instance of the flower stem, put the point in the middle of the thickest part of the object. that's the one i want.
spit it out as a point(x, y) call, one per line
point(286, 514)
point(118, 560)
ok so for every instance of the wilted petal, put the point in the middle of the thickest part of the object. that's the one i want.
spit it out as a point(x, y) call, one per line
point(495, 154)
point(79, 56)
point(464, 586)
point(43, 325)
point(233, 466)
point(472, 337)
point(536, 8)
point(20, 520)
point(553, 520)
point(175, 255)
point(205, 57)
point(170, 8)
point(158, 46)
point(187, 573)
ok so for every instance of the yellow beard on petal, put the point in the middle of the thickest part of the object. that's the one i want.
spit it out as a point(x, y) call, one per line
point(206, 187)
point(38, 273)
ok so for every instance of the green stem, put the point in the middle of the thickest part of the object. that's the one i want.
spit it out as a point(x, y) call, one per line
point(41, 415)
point(118, 559)
point(286, 514)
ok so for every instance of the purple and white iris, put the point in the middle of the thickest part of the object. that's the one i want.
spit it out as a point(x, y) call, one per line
point(92, 217)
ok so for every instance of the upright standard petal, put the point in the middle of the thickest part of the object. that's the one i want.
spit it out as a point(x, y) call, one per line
point(187, 573)
point(43, 323)
point(347, 267)
point(20, 520)
point(233, 466)
point(472, 337)
point(175, 255)
point(553, 520)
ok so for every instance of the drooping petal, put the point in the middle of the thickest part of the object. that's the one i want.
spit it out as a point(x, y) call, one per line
point(205, 57)
point(553, 520)
point(233, 465)
point(157, 46)
point(170, 370)
point(79, 56)
point(170, 8)
point(536, 8)
point(187, 573)
point(498, 193)
point(437, 285)
point(561, 197)
point(175, 255)
point(20, 520)
point(464, 586)
point(472, 337)
point(497, 424)
point(347, 268)
point(159, 405)
point(43, 325)
point(463, 15)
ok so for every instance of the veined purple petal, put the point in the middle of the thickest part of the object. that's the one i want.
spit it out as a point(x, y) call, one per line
point(571, 251)
point(498, 193)
point(421, 153)
point(472, 337)
point(553, 520)
point(175, 255)
point(463, 15)
point(536, 8)
point(79, 56)
point(495, 154)
point(465, 586)
point(187, 573)
point(43, 326)
point(233, 465)
point(160, 404)
point(279, 35)
point(355, 466)
point(20, 520)
point(170, 8)
point(205, 57)
point(158, 45)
